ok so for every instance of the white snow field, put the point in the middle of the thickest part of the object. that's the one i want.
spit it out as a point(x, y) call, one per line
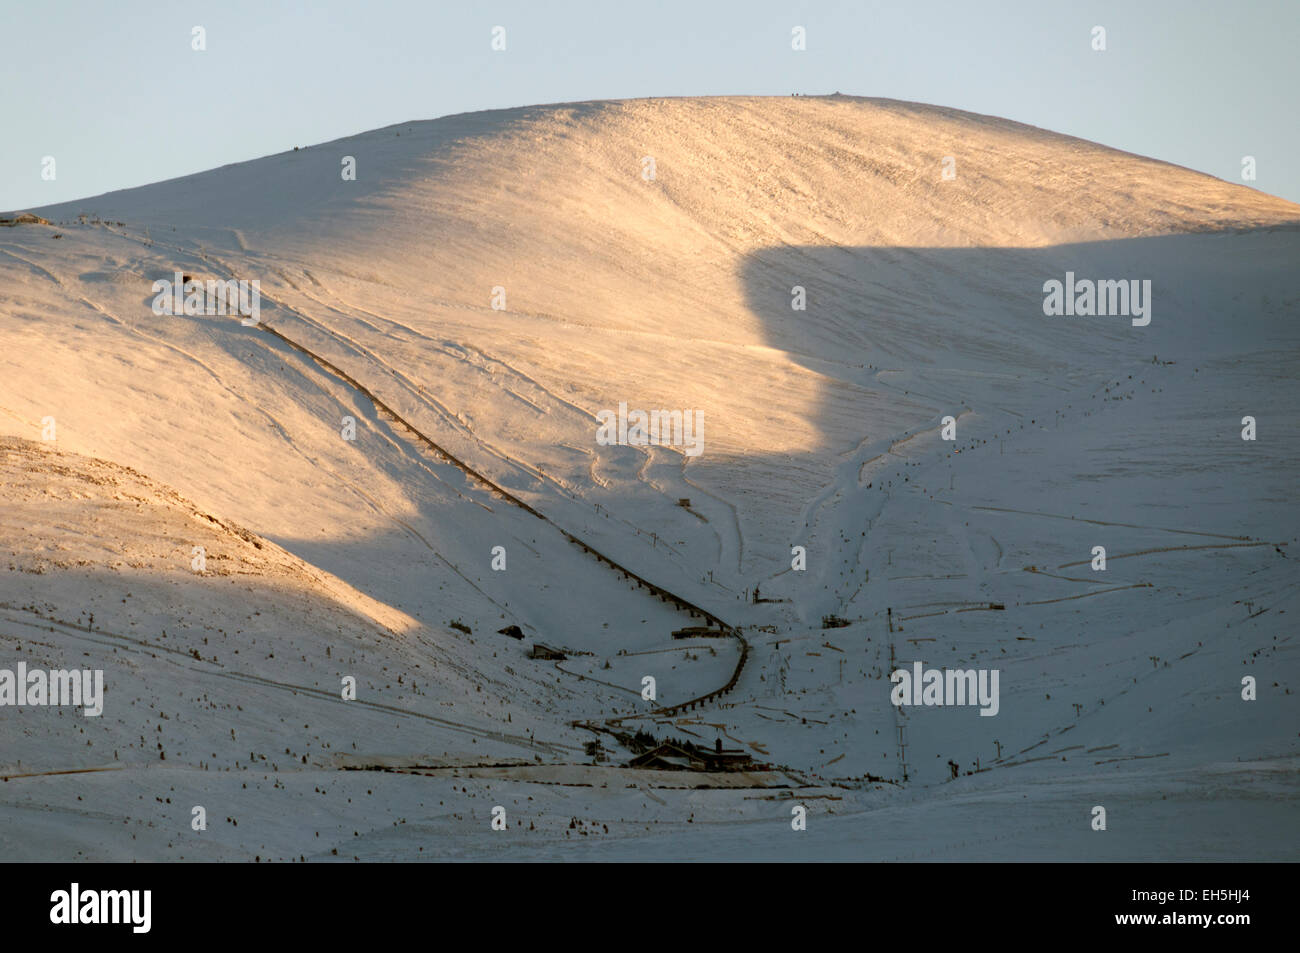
point(487, 285)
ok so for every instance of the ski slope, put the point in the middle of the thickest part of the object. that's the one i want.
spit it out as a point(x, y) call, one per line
point(329, 558)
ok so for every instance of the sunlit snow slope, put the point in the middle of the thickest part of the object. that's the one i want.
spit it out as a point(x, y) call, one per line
point(497, 279)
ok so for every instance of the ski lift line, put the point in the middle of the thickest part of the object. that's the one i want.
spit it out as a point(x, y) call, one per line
point(1170, 549)
point(1079, 519)
point(1084, 595)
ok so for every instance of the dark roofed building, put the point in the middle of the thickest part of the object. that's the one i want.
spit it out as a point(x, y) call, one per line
point(670, 756)
point(667, 757)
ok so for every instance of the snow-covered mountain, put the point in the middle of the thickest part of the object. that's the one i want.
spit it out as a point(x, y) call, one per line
point(256, 512)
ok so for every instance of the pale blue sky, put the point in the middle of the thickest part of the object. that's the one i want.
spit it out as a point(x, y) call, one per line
point(113, 90)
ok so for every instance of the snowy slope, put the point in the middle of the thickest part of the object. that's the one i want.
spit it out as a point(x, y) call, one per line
point(924, 300)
